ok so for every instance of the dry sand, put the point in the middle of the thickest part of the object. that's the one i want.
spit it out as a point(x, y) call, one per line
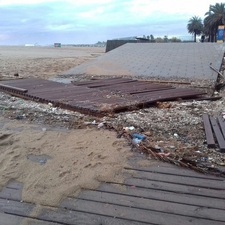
point(55, 163)
point(43, 62)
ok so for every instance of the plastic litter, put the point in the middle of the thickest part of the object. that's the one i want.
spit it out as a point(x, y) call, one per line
point(136, 141)
point(100, 125)
point(90, 123)
point(129, 128)
point(137, 138)
point(19, 117)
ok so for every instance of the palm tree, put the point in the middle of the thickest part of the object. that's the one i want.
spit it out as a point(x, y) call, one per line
point(195, 26)
point(210, 28)
point(214, 17)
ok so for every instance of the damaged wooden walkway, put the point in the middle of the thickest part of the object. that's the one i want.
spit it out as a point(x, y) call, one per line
point(101, 97)
point(214, 127)
point(159, 195)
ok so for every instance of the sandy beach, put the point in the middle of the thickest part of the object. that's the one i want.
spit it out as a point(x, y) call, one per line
point(54, 153)
point(43, 62)
point(54, 162)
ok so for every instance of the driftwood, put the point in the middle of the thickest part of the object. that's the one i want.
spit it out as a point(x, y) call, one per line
point(178, 158)
point(218, 84)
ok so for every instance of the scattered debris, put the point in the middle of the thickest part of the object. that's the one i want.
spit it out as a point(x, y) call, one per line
point(163, 105)
point(220, 82)
point(217, 71)
point(129, 128)
point(100, 125)
point(137, 138)
point(157, 124)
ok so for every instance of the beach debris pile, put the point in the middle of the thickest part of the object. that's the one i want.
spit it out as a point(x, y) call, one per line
point(170, 131)
point(174, 152)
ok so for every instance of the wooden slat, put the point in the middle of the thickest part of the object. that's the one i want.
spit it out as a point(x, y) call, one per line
point(173, 179)
point(222, 125)
point(82, 217)
point(21, 211)
point(137, 215)
point(208, 131)
point(13, 194)
point(164, 196)
point(16, 207)
point(218, 134)
point(84, 83)
point(103, 82)
point(154, 205)
point(159, 168)
point(13, 88)
point(6, 219)
point(175, 188)
point(46, 91)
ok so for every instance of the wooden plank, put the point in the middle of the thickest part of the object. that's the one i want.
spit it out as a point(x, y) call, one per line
point(164, 196)
point(222, 125)
point(208, 131)
point(16, 207)
point(13, 194)
point(22, 210)
point(135, 214)
point(104, 82)
point(4, 86)
point(154, 205)
point(218, 134)
point(79, 217)
point(93, 81)
point(175, 188)
point(169, 169)
point(6, 219)
point(9, 219)
point(13, 191)
point(174, 179)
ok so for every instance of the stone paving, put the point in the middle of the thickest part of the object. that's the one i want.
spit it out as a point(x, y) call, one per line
point(157, 60)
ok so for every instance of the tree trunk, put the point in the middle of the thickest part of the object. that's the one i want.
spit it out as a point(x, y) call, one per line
point(195, 37)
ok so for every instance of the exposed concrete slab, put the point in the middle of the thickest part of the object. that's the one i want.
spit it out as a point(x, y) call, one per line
point(157, 60)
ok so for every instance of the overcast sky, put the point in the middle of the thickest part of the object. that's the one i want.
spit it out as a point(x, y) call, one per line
point(88, 21)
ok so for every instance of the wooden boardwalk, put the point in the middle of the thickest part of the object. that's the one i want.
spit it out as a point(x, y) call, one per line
point(97, 97)
point(159, 195)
